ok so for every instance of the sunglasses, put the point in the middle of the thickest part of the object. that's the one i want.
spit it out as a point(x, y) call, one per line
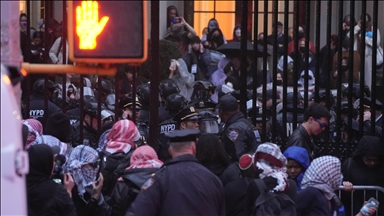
point(322, 125)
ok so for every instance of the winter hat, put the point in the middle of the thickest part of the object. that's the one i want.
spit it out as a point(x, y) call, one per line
point(35, 130)
point(59, 126)
point(245, 161)
point(272, 162)
point(122, 137)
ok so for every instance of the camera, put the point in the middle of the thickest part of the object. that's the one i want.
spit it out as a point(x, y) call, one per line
point(58, 175)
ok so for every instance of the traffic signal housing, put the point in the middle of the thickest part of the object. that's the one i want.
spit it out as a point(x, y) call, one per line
point(107, 31)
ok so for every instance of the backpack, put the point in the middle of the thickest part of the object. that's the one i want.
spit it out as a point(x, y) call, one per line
point(268, 203)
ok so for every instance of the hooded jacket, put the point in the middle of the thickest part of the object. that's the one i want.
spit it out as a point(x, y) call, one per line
point(355, 171)
point(184, 80)
point(218, 77)
point(300, 155)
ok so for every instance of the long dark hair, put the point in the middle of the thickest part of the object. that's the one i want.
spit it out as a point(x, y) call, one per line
point(210, 38)
point(169, 8)
point(209, 149)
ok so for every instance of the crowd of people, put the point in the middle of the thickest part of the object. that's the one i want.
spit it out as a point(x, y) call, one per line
point(93, 157)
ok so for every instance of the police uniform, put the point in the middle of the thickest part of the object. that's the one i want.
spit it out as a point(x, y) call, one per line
point(181, 187)
point(89, 136)
point(170, 125)
point(37, 110)
point(237, 136)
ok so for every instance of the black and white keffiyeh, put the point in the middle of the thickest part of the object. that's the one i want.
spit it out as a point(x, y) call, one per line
point(324, 173)
point(83, 176)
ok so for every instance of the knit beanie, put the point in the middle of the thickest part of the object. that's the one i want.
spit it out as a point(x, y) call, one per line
point(58, 125)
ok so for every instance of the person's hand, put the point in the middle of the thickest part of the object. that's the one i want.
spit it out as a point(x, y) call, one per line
point(348, 186)
point(97, 186)
point(127, 114)
point(88, 26)
point(68, 183)
point(371, 210)
point(172, 67)
point(201, 48)
point(72, 96)
point(182, 20)
point(335, 74)
point(367, 116)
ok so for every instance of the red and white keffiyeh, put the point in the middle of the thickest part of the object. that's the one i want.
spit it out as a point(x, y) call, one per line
point(35, 130)
point(122, 137)
point(144, 157)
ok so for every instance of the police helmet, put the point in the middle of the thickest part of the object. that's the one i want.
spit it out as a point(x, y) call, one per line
point(143, 93)
point(356, 91)
point(110, 101)
point(175, 102)
point(202, 84)
point(90, 108)
point(168, 87)
point(208, 122)
point(87, 92)
point(107, 115)
point(39, 86)
point(106, 87)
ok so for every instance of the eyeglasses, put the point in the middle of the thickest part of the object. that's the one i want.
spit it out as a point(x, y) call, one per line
point(322, 125)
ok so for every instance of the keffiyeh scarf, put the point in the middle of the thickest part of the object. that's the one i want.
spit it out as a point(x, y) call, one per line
point(324, 173)
point(83, 176)
point(272, 162)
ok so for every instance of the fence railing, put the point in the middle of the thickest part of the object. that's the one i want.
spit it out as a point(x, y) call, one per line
point(378, 190)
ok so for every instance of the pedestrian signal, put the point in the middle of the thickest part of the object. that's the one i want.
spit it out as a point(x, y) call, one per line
point(107, 31)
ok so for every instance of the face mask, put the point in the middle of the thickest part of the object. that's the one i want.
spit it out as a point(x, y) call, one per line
point(300, 35)
point(302, 49)
point(238, 33)
point(279, 82)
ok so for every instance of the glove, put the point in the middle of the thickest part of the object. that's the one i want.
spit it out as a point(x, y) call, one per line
point(369, 34)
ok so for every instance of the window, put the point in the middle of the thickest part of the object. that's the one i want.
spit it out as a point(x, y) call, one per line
point(280, 16)
point(222, 10)
point(42, 9)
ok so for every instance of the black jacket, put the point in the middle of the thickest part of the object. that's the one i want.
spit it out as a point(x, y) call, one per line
point(312, 202)
point(91, 207)
point(235, 196)
point(280, 40)
point(238, 137)
point(168, 125)
point(355, 171)
point(125, 192)
point(37, 111)
point(378, 128)
point(49, 198)
point(253, 192)
point(181, 187)
point(226, 174)
point(89, 136)
point(301, 138)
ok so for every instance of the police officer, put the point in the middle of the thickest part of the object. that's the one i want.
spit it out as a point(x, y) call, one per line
point(202, 91)
point(237, 136)
point(37, 109)
point(126, 107)
point(90, 126)
point(174, 104)
point(182, 186)
point(166, 88)
point(143, 93)
point(188, 118)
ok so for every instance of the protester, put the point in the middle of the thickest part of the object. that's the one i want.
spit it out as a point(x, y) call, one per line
point(210, 153)
point(46, 197)
point(298, 162)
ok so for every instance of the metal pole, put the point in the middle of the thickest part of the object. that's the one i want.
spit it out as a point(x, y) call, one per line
point(362, 66)
point(255, 57)
point(243, 44)
point(155, 76)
